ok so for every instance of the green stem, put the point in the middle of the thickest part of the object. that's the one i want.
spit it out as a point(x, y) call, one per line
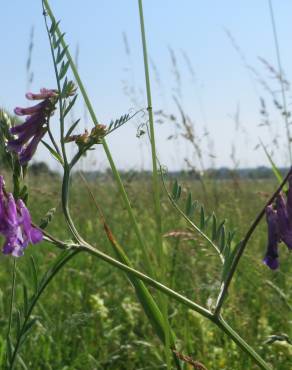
point(11, 297)
point(185, 301)
point(218, 320)
point(105, 146)
point(152, 282)
point(147, 279)
point(244, 242)
point(53, 140)
point(65, 204)
point(241, 343)
point(67, 166)
point(156, 192)
point(155, 182)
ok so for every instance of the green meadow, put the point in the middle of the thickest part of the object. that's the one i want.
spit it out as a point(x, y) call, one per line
point(89, 317)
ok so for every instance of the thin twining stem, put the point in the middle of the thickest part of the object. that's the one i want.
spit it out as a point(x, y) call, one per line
point(217, 320)
point(62, 123)
point(222, 324)
point(243, 245)
point(152, 282)
point(93, 116)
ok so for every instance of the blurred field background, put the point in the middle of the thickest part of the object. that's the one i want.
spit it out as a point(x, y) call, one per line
point(89, 317)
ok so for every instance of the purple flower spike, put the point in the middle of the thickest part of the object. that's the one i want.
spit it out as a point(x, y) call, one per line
point(30, 133)
point(15, 224)
point(285, 229)
point(271, 257)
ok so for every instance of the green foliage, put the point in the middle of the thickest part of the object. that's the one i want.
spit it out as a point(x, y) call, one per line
point(24, 321)
point(208, 227)
point(89, 318)
point(114, 124)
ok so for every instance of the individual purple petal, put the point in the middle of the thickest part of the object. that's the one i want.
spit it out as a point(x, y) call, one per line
point(44, 94)
point(26, 131)
point(11, 211)
point(271, 257)
point(17, 145)
point(29, 124)
point(26, 219)
point(26, 154)
point(271, 262)
point(36, 235)
point(33, 234)
point(285, 230)
point(13, 246)
point(30, 110)
point(8, 246)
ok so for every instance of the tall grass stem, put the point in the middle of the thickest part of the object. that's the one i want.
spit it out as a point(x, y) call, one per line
point(104, 143)
point(155, 181)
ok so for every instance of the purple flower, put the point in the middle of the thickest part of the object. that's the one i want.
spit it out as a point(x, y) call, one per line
point(25, 132)
point(279, 226)
point(44, 94)
point(27, 153)
point(31, 234)
point(15, 224)
point(285, 229)
point(271, 257)
point(30, 133)
point(38, 108)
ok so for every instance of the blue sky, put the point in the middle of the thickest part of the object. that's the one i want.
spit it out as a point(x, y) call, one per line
point(220, 87)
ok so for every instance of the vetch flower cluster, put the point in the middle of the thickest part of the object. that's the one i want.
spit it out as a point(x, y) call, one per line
point(30, 133)
point(279, 220)
point(15, 224)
